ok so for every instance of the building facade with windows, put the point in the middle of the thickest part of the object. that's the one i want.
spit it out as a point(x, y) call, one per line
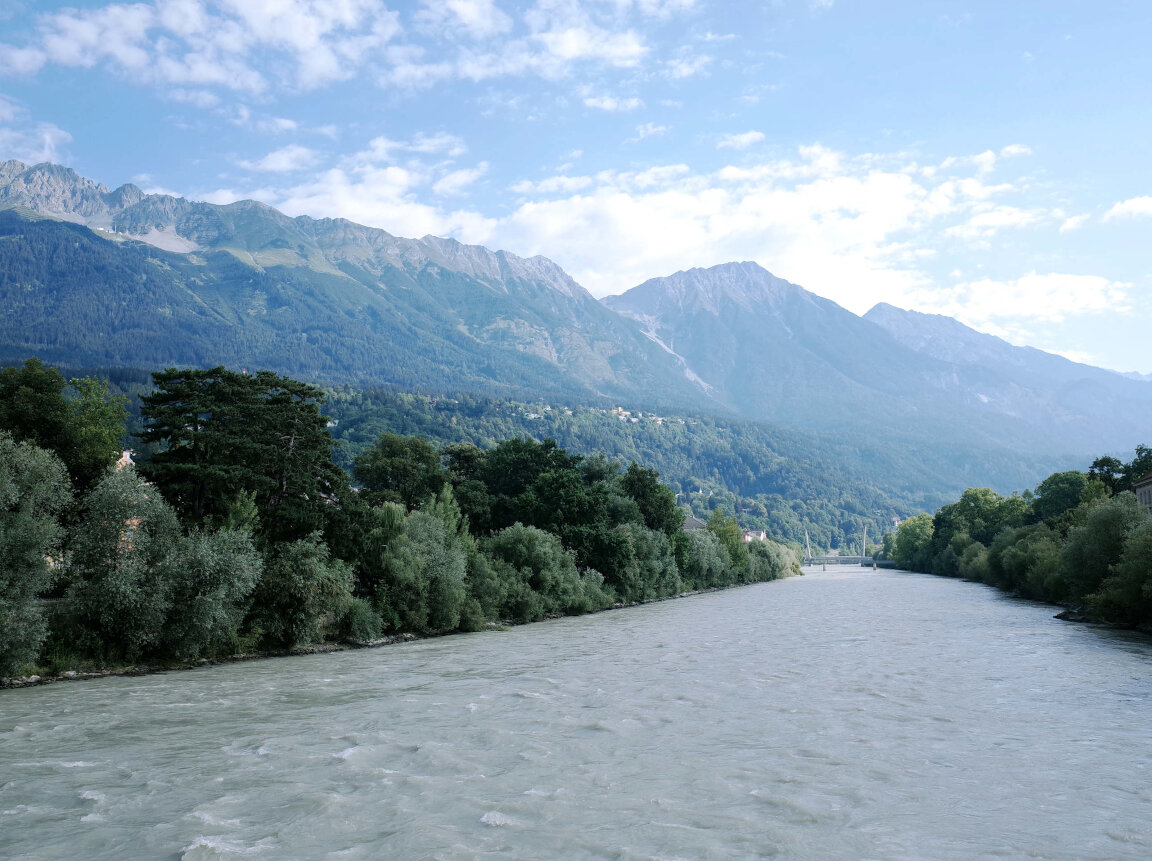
point(1142, 487)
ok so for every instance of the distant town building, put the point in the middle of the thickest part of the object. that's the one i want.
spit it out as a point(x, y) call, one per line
point(751, 535)
point(1142, 487)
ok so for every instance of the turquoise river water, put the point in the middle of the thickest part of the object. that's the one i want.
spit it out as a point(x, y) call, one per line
point(847, 714)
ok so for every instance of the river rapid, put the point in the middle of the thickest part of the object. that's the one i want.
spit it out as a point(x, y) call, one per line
point(847, 714)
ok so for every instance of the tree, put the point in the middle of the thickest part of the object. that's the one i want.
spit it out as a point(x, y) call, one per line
point(98, 429)
point(122, 567)
point(651, 571)
point(706, 561)
point(422, 588)
point(1093, 547)
point(1107, 469)
point(727, 531)
point(770, 561)
point(657, 501)
point(33, 407)
point(211, 585)
point(404, 469)
point(301, 588)
point(540, 576)
point(1058, 493)
point(913, 546)
point(1137, 468)
point(34, 489)
point(1126, 595)
point(223, 433)
point(84, 431)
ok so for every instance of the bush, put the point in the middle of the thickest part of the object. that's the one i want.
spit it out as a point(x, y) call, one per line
point(300, 588)
point(360, 622)
point(122, 567)
point(422, 588)
point(706, 561)
point(768, 560)
point(1126, 595)
point(33, 489)
point(212, 580)
point(540, 576)
point(1092, 548)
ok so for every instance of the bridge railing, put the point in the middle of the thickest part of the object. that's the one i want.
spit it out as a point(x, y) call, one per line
point(838, 560)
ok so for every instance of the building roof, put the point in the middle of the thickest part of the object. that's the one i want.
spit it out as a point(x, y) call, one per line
point(1142, 481)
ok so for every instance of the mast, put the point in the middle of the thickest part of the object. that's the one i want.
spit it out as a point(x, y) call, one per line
point(864, 546)
point(807, 543)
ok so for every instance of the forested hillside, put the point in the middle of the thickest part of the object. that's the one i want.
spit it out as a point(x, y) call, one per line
point(768, 478)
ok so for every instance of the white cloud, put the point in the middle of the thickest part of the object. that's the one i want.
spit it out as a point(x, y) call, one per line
point(1049, 298)
point(553, 185)
point(657, 8)
point(687, 66)
point(740, 141)
point(290, 158)
point(478, 19)
point(647, 130)
point(21, 61)
point(989, 221)
point(1134, 207)
point(589, 43)
point(199, 98)
point(188, 42)
point(9, 110)
point(263, 47)
point(25, 140)
point(1013, 150)
point(612, 103)
point(1074, 222)
point(383, 149)
point(458, 180)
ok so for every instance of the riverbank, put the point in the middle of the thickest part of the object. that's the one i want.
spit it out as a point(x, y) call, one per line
point(309, 649)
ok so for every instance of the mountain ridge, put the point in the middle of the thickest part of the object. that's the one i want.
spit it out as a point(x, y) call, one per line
point(153, 280)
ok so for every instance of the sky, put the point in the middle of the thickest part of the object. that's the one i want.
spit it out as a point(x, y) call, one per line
point(984, 160)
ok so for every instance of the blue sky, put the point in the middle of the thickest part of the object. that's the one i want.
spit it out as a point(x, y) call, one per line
point(985, 160)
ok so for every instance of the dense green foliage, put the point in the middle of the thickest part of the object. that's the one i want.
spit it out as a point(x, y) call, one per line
point(240, 531)
point(33, 490)
point(224, 433)
point(78, 420)
point(770, 479)
point(1080, 539)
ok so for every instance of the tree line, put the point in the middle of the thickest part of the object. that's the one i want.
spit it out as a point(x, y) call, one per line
point(239, 531)
point(1080, 539)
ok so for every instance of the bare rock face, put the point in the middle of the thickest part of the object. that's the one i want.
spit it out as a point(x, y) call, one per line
point(61, 192)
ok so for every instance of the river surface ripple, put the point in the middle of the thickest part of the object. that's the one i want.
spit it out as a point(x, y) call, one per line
point(845, 714)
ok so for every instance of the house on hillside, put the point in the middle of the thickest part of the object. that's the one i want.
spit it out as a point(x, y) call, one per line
point(751, 535)
point(1142, 487)
point(691, 524)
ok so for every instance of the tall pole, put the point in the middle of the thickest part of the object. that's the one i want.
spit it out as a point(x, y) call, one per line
point(864, 546)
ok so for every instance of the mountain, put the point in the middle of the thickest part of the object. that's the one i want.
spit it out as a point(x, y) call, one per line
point(971, 404)
point(1078, 403)
point(159, 280)
point(93, 277)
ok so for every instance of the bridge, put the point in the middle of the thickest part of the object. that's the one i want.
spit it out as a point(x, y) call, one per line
point(838, 560)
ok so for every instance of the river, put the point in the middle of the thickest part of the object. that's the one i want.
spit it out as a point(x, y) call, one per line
point(847, 714)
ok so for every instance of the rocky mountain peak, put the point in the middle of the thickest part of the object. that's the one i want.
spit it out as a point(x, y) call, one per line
point(715, 290)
